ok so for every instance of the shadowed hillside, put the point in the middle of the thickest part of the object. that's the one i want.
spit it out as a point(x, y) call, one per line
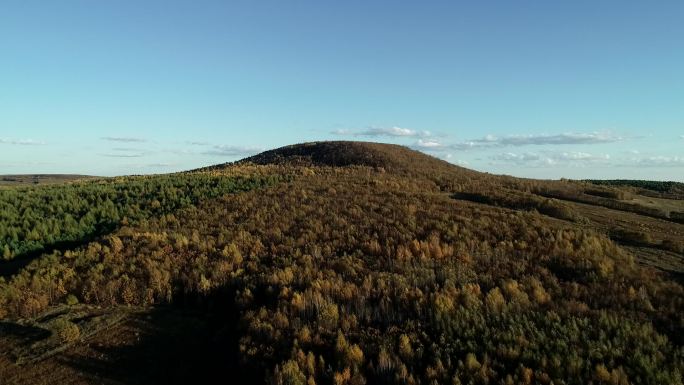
point(392, 157)
point(388, 157)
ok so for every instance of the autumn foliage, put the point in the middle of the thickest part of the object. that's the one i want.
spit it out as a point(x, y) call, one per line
point(365, 274)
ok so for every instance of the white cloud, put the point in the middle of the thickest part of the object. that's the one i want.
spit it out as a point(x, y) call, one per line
point(123, 139)
point(654, 161)
point(513, 157)
point(393, 131)
point(25, 164)
point(451, 159)
point(125, 149)
point(541, 139)
point(436, 146)
point(583, 159)
point(487, 139)
point(180, 151)
point(228, 150)
point(549, 158)
point(581, 156)
point(428, 144)
point(492, 141)
point(123, 155)
point(21, 142)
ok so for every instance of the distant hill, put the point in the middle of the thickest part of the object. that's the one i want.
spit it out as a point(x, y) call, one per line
point(390, 157)
point(34, 179)
point(347, 153)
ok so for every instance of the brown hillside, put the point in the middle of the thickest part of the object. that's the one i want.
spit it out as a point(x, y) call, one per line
point(396, 269)
point(390, 157)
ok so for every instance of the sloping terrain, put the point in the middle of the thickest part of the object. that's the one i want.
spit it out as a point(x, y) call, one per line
point(355, 263)
point(380, 156)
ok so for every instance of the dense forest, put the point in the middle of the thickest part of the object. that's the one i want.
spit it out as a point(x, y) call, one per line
point(659, 186)
point(35, 218)
point(355, 263)
point(671, 190)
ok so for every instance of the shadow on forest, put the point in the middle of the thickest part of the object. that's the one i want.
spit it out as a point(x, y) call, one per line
point(14, 265)
point(192, 341)
point(28, 334)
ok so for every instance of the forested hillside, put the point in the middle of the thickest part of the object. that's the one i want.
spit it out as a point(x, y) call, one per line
point(342, 263)
point(32, 219)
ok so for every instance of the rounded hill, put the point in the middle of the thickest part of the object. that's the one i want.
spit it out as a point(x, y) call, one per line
point(390, 157)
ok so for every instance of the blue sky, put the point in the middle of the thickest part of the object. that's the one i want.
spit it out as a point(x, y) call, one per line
point(530, 88)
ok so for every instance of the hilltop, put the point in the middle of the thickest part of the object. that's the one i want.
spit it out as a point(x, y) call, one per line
point(339, 154)
point(391, 157)
point(341, 263)
point(385, 157)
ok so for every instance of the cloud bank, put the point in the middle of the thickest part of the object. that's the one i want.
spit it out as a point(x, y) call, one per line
point(491, 141)
point(548, 158)
point(558, 139)
point(582, 159)
point(21, 142)
point(123, 155)
point(229, 150)
point(396, 132)
point(655, 161)
point(123, 139)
